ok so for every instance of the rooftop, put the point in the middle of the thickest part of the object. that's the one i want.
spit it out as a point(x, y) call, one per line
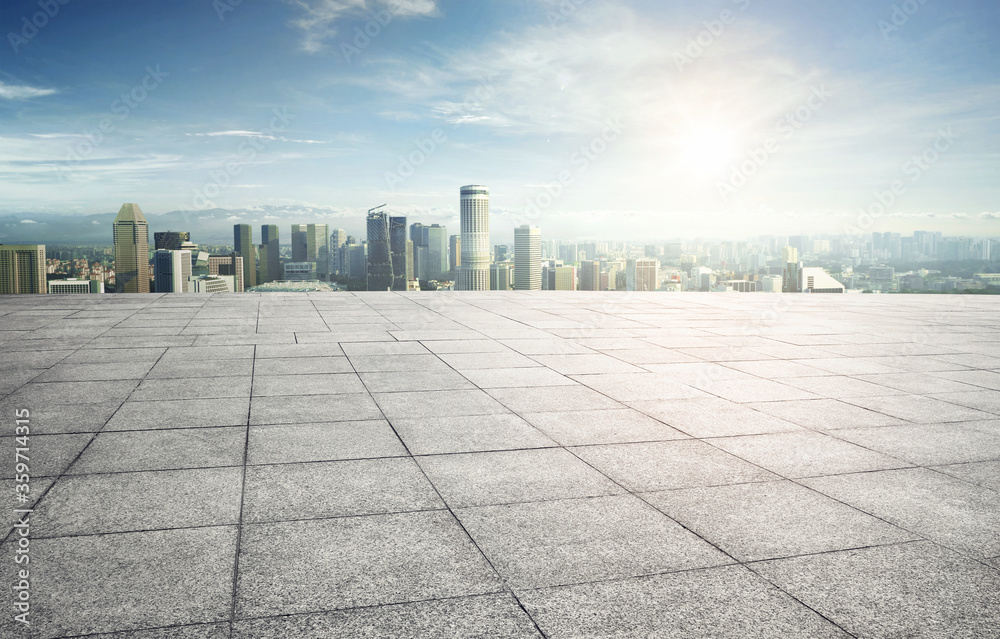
point(504, 465)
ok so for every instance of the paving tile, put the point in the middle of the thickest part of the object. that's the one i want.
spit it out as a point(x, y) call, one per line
point(302, 365)
point(584, 364)
point(123, 502)
point(289, 443)
point(180, 369)
point(478, 479)
point(515, 377)
point(192, 388)
point(712, 417)
point(911, 590)
point(825, 414)
point(552, 398)
point(36, 488)
point(180, 413)
point(319, 384)
point(48, 455)
point(806, 454)
point(919, 409)
point(986, 474)
point(553, 543)
point(397, 363)
point(464, 434)
point(139, 450)
point(448, 403)
point(672, 464)
point(196, 631)
point(497, 616)
point(616, 426)
point(54, 419)
point(981, 379)
point(35, 395)
point(917, 383)
point(784, 389)
point(474, 361)
point(127, 581)
point(311, 566)
point(946, 510)
point(984, 400)
point(703, 372)
point(465, 346)
point(194, 354)
point(95, 372)
point(355, 349)
point(726, 602)
point(770, 369)
point(633, 387)
point(546, 346)
point(336, 489)
point(438, 379)
point(296, 352)
point(773, 519)
point(929, 444)
point(307, 409)
point(851, 365)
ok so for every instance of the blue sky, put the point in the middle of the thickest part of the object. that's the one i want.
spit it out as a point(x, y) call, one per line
point(590, 118)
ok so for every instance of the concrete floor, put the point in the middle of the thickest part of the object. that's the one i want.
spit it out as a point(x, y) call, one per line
point(504, 465)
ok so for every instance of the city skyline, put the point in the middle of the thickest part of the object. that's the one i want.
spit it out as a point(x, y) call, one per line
point(610, 119)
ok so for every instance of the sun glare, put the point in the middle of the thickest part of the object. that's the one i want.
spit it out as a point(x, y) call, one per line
point(706, 149)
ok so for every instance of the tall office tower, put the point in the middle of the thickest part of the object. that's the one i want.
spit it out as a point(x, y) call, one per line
point(318, 249)
point(263, 264)
point(354, 259)
point(500, 276)
point(527, 258)
point(170, 240)
point(131, 235)
point(641, 274)
point(475, 270)
point(410, 273)
point(500, 253)
point(455, 254)
point(300, 242)
point(565, 278)
point(270, 264)
point(337, 239)
point(231, 265)
point(172, 270)
point(790, 270)
point(22, 269)
point(437, 252)
point(590, 275)
point(379, 251)
point(418, 235)
point(397, 248)
point(243, 242)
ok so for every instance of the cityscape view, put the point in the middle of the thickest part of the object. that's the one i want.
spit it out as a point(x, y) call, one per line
point(506, 319)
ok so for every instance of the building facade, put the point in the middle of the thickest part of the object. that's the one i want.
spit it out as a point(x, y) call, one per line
point(244, 246)
point(22, 269)
point(171, 270)
point(170, 240)
point(131, 237)
point(379, 251)
point(270, 254)
point(474, 273)
point(527, 258)
point(402, 260)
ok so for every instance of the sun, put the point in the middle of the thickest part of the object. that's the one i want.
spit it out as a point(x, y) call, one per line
point(706, 148)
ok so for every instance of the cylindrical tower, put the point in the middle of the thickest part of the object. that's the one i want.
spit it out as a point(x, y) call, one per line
point(475, 269)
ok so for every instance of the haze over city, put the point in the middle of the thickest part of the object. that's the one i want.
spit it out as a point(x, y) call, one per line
point(590, 119)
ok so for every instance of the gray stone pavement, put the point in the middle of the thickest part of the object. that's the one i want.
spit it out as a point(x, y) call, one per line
point(503, 465)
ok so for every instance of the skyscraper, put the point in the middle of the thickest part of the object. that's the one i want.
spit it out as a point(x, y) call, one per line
point(401, 271)
point(590, 275)
point(318, 249)
point(243, 242)
point(527, 258)
point(270, 265)
point(379, 251)
point(475, 220)
point(22, 269)
point(455, 254)
point(437, 251)
point(172, 270)
point(337, 240)
point(228, 265)
point(641, 274)
point(300, 242)
point(131, 237)
point(170, 240)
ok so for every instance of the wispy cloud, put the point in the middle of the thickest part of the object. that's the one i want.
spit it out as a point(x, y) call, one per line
point(318, 20)
point(22, 92)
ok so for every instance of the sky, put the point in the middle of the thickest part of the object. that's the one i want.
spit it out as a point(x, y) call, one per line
point(630, 119)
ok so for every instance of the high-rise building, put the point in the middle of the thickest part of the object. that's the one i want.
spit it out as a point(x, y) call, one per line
point(590, 275)
point(243, 243)
point(401, 271)
point(790, 281)
point(338, 238)
point(231, 265)
point(131, 237)
point(565, 278)
point(379, 251)
point(318, 249)
point(437, 252)
point(474, 274)
point(300, 242)
point(270, 257)
point(500, 276)
point(22, 269)
point(641, 274)
point(170, 240)
point(527, 258)
point(171, 270)
point(455, 254)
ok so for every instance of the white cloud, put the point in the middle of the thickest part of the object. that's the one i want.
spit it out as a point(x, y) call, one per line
point(28, 222)
point(319, 17)
point(22, 92)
